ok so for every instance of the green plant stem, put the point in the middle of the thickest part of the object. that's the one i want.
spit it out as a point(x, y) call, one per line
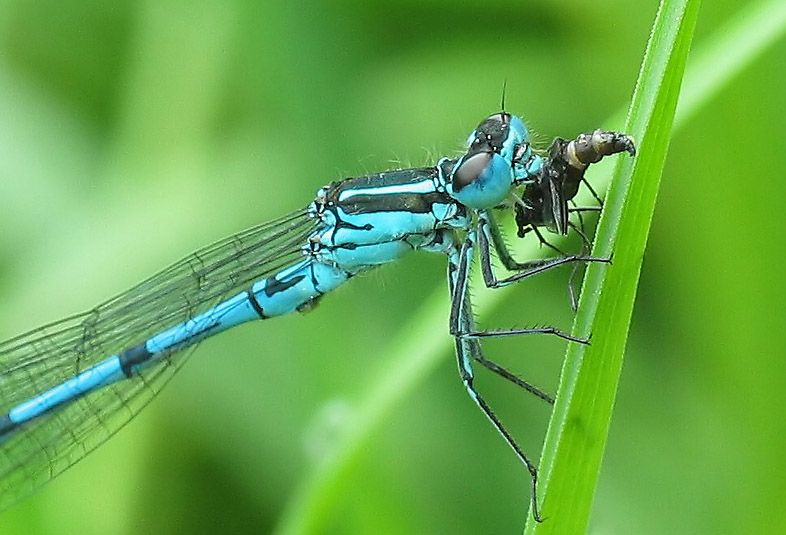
point(575, 441)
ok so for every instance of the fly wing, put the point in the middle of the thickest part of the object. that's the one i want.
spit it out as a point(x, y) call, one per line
point(559, 207)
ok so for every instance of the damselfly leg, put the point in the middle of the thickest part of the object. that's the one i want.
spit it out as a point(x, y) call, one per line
point(467, 336)
point(545, 204)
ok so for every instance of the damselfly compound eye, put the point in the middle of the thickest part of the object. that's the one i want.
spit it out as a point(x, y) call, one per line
point(469, 170)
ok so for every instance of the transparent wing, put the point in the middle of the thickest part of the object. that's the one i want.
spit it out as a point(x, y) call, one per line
point(45, 357)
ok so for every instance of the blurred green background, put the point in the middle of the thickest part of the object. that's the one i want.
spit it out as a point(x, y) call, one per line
point(132, 133)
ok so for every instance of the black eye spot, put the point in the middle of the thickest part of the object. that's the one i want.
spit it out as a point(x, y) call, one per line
point(470, 170)
point(501, 117)
point(491, 133)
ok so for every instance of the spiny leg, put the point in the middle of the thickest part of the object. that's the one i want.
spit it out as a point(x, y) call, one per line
point(455, 271)
point(580, 209)
point(458, 269)
point(492, 232)
point(467, 348)
point(477, 354)
point(444, 241)
point(489, 234)
point(563, 258)
point(462, 273)
point(464, 352)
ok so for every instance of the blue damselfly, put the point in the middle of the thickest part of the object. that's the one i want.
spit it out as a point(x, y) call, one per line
point(67, 386)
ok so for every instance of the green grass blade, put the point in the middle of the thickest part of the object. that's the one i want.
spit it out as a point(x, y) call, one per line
point(576, 439)
point(416, 351)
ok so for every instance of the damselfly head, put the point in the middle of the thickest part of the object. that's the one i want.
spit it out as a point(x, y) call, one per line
point(484, 176)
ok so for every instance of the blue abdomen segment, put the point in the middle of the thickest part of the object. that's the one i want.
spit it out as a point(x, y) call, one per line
point(99, 375)
point(128, 363)
point(295, 287)
point(231, 312)
point(279, 294)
